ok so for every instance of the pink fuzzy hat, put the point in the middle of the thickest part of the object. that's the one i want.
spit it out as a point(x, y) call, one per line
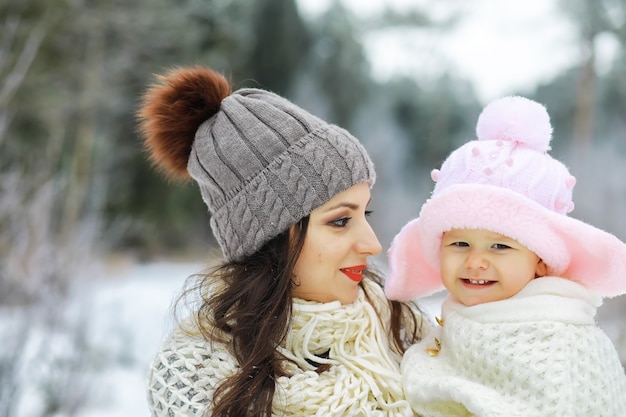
point(507, 183)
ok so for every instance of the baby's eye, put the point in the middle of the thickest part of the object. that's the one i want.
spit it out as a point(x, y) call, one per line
point(501, 246)
point(460, 244)
point(340, 222)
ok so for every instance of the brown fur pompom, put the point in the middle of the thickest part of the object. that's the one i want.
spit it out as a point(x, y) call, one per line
point(171, 111)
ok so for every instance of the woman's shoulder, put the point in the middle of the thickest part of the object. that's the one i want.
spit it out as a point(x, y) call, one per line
point(184, 374)
point(189, 346)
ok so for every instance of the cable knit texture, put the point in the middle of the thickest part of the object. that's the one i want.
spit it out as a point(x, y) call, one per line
point(534, 354)
point(363, 379)
point(262, 164)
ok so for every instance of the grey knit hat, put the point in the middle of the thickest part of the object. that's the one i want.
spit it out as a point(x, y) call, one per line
point(263, 164)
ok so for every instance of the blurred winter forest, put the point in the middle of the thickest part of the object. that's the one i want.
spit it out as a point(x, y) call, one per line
point(76, 191)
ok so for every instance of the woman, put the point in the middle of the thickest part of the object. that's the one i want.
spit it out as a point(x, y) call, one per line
point(292, 322)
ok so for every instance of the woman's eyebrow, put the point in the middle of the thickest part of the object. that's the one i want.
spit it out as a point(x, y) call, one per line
point(352, 206)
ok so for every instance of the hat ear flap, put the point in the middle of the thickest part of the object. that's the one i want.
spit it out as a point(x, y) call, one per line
point(410, 275)
point(597, 258)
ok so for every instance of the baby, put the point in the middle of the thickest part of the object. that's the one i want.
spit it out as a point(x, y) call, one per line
point(517, 335)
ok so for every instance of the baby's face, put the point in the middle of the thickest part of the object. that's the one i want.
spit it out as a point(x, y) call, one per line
point(479, 266)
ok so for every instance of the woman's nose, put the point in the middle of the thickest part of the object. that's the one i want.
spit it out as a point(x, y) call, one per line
point(368, 243)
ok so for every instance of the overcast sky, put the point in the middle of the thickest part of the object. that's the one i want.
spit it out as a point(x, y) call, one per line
point(500, 45)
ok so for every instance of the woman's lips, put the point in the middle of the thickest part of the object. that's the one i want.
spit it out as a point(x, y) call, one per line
point(355, 273)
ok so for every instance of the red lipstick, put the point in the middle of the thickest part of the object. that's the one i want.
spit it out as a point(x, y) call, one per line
point(355, 273)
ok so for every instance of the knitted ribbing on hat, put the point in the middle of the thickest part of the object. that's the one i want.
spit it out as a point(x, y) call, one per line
point(536, 354)
point(363, 379)
point(262, 164)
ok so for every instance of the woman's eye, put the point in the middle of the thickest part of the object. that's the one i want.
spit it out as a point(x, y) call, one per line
point(341, 222)
point(501, 246)
point(368, 213)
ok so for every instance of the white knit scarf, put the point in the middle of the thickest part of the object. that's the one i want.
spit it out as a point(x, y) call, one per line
point(536, 354)
point(364, 376)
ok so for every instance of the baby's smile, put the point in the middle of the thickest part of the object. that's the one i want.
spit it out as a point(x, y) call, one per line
point(477, 281)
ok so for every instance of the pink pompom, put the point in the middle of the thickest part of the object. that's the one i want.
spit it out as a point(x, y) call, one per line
point(516, 119)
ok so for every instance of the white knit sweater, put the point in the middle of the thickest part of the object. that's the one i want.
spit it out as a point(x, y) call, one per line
point(363, 379)
point(536, 354)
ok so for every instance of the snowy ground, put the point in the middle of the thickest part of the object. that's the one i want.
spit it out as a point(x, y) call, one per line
point(119, 322)
point(132, 309)
point(129, 315)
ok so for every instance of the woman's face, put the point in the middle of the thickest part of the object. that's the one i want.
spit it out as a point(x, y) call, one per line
point(337, 244)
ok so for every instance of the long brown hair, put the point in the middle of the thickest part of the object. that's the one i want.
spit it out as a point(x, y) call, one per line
point(251, 312)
